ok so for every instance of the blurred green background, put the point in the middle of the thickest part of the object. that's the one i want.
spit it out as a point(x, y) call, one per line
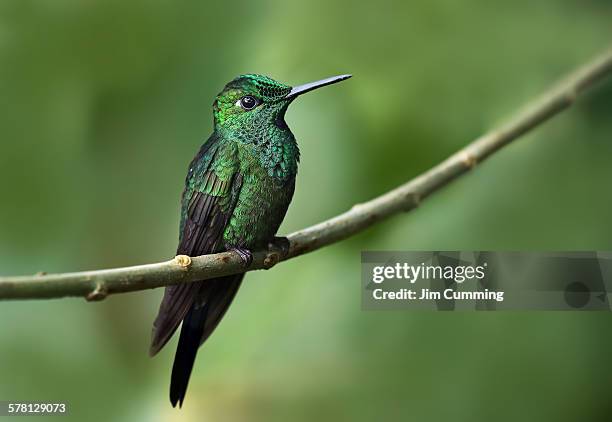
point(104, 103)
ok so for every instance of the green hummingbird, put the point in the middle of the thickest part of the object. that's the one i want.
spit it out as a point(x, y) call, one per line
point(237, 191)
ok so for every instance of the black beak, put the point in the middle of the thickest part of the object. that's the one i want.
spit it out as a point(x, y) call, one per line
point(302, 89)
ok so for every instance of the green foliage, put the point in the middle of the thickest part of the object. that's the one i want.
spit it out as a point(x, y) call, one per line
point(104, 103)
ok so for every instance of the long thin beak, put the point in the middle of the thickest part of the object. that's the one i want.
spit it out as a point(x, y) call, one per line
point(302, 89)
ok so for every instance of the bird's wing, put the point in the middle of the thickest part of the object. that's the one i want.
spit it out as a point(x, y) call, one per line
point(209, 198)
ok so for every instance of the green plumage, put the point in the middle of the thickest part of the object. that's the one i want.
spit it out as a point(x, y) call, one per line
point(258, 146)
point(237, 191)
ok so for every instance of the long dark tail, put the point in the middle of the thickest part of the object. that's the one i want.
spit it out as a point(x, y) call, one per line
point(189, 342)
point(204, 315)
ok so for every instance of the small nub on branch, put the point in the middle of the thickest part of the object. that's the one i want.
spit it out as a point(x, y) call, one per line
point(99, 293)
point(183, 260)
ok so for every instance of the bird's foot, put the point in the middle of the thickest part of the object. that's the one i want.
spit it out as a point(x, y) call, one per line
point(281, 244)
point(246, 256)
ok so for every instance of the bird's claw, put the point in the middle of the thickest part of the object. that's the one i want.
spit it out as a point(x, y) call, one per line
point(280, 243)
point(246, 256)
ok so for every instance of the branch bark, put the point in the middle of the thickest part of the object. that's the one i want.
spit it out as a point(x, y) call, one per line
point(96, 285)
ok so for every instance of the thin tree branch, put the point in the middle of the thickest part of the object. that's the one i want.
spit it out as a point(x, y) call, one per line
point(96, 285)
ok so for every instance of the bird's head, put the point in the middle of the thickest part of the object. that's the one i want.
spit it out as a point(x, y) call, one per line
point(252, 102)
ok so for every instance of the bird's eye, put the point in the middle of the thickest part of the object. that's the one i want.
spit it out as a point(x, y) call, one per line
point(248, 102)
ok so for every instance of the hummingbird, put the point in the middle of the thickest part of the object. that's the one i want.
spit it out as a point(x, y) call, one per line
point(237, 191)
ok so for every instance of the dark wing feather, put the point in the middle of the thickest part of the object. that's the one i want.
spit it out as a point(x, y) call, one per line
point(218, 301)
point(208, 202)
